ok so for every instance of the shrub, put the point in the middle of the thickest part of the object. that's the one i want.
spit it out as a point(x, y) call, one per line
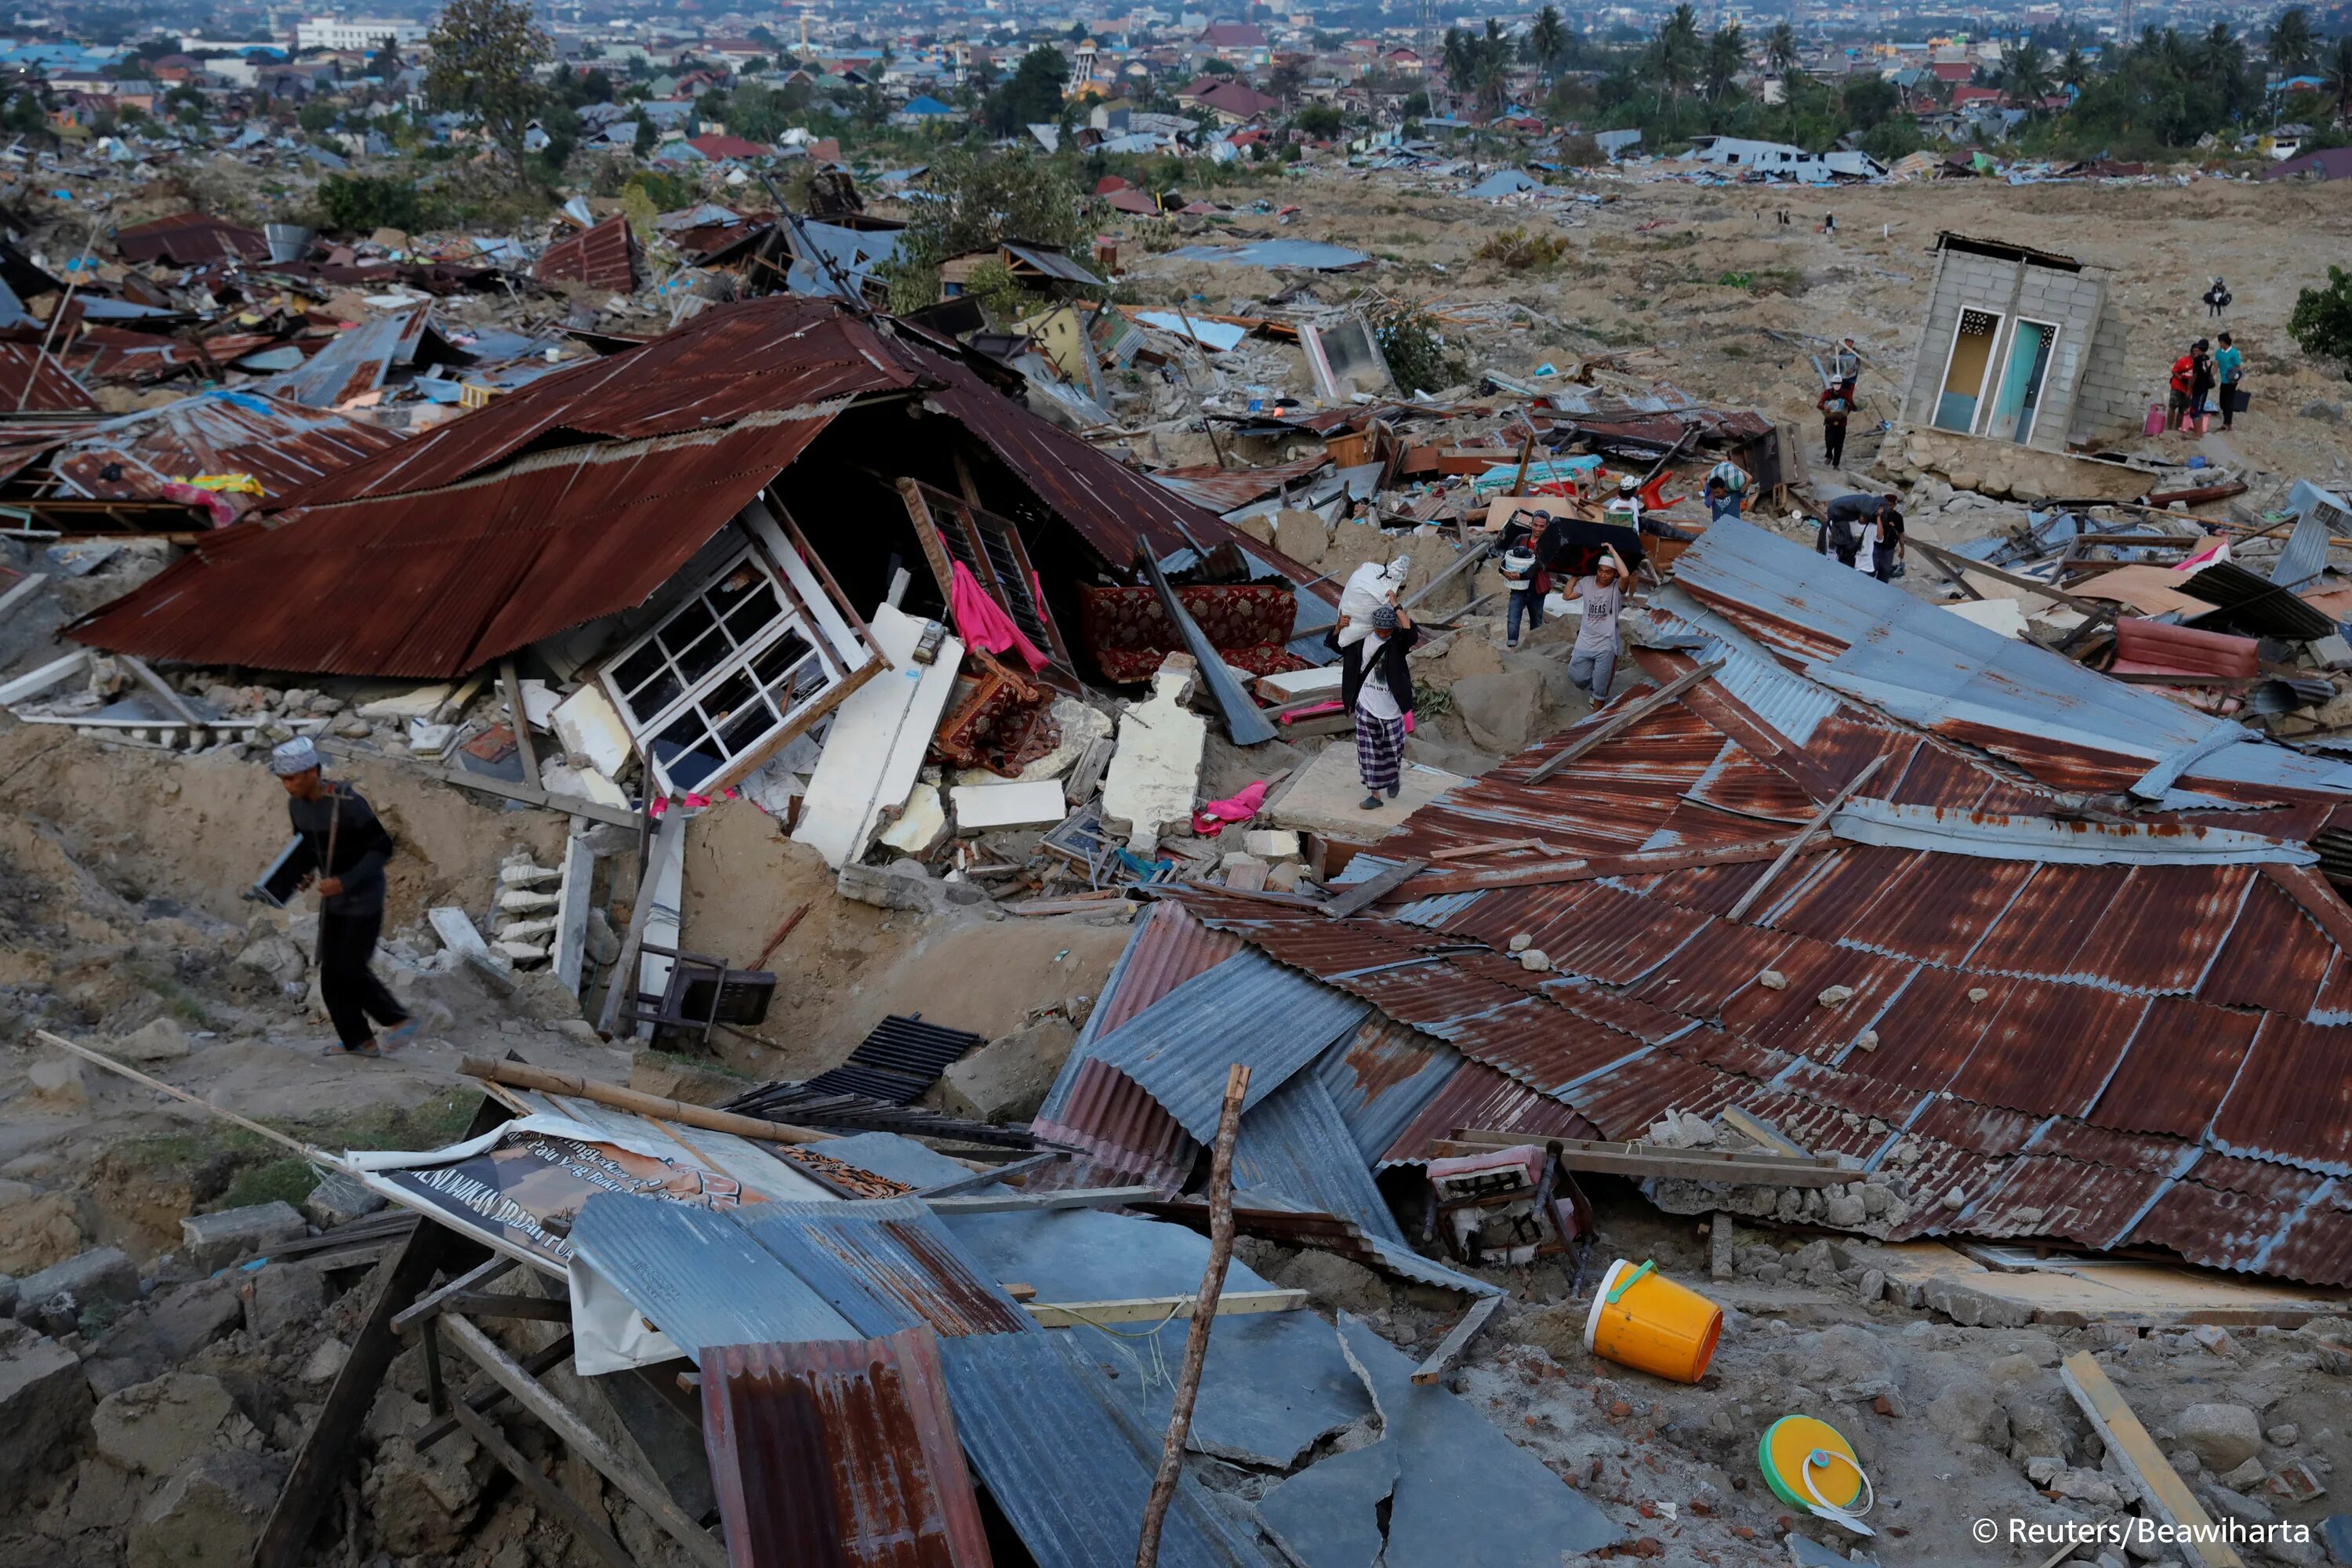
point(365, 203)
point(2322, 323)
point(1415, 349)
point(1519, 251)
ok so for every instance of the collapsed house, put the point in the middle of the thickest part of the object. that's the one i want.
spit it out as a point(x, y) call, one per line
point(2028, 955)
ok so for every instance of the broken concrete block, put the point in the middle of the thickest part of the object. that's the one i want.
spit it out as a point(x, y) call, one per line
point(339, 1200)
point(2333, 652)
point(161, 1041)
point(44, 1409)
point(1007, 1079)
point(922, 822)
point(156, 1428)
point(1835, 995)
point(283, 1296)
point(1535, 959)
point(1270, 843)
point(102, 1277)
point(1301, 535)
point(37, 1229)
point(519, 953)
point(886, 887)
point(325, 1362)
point(210, 1241)
point(210, 1512)
point(2222, 1437)
point(1501, 710)
point(1244, 873)
point(1155, 775)
point(276, 958)
point(1284, 878)
point(57, 1083)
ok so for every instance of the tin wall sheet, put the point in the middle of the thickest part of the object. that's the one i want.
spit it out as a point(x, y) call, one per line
point(1794, 1019)
point(1704, 973)
point(1294, 1142)
point(1708, 890)
point(1381, 1076)
point(1611, 1009)
point(2014, 1064)
point(2292, 1099)
point(1931, 1028)
point(1433, 995)
point(2162, 932)
point(1938, 775)
point(839, 1453)
point(886, 1266)
point(1815, 1126)
point(1737, 783)
point(1069, 1474)
point(2333, 1003)
point(1168, 945)
point(2091, 1206)
point(1542, 1045)
point(1938, 908)
point(2273, 958)
point(1838, 891)
point(2182, 1060)
point(2060, 1138)
point(1624, 1101)
point(1478, 1097)
point(2048, 920)
point(1126, 1133)
point(698, 1276)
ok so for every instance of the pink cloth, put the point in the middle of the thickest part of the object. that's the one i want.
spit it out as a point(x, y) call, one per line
point(1212, 818)
point(983, 623)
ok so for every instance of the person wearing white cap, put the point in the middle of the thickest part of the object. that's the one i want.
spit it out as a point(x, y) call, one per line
point(347, 849)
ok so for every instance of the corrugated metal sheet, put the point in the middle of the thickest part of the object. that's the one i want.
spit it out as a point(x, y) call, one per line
point(1381, 1076)
point(1067, 1468)
point(887, 1266)
point(353, 362)
point(189, 239)
point(602, 257)
point(1167, 946)
point(435, 583)
point(53, 390)
point(839, 1453)
point(283, 446)
point(1247, 1010)
point(1294, 1142)
point(1223, 489)
point(2291, 1102)
point(1477, 1096)
point(698, 1276)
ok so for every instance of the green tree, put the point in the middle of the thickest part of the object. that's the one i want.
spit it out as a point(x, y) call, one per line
point(1871, 101)
point(1674, 52)
point(362, 203)
point(1032, 94)
point(2074, 69)
point(2025, 74)
point(1547, 42)
point(647, 138)
point(2338, 76)
point(316, 116)
point(1780, 50)
point(2293, 45)
point(1320, 120)
point(483, 54)
point(979, 200)
point(1726, 57)
point(2322, 323)
point(1491, 70)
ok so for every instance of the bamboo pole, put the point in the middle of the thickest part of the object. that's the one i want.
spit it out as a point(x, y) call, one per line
point(519, 1074)
point(307, 1151)
point(1205, 1312)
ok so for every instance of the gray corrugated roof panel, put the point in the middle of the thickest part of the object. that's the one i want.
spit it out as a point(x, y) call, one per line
point(1053, 264)
point(2051, 840)
point(885, 1266)
point(1927, 667)
point(698, 1276)
point(1784, 699)
point(1071, 1472)
point(1088, 1255)
point(1295, 1143)
point(1247, 1009)
point(2304, 554)
point(1273, 1384)
point(899, 1157)
point(1168, 947)
point(1304, 255)
point(1382, 1076)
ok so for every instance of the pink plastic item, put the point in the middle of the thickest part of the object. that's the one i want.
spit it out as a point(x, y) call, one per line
point(983, 623)
point(1212, 818)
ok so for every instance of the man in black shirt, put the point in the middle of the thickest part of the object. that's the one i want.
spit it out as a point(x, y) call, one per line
point(347, 849)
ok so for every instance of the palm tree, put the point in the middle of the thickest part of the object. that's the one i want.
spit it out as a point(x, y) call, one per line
point(1491, 69)
point(1548, 42)
point(1454, 55)
point(2171, 52)
point(2292, 44)
point(2025, 73)
point(1726, 57)
point(1780, 49)
point(2219, 52)
point(1674, 52)
point(2339, 76)
point(2075, 69)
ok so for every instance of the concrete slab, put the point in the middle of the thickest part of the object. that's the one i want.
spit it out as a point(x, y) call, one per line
point(878, 740)
point(1274, 1385)
point(1326, 1515)
point(1451, 1463)
point(979, 807)
point(589, 726)
point(1327, 796)
point(922, 822)
point(1155, 776)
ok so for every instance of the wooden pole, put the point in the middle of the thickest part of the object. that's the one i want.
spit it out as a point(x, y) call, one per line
point(310, 1152)
point(1204, 1313)
point(1797, 845)
point(521, 1075)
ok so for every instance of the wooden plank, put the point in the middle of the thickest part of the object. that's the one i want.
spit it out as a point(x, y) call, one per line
point(431, 1302)
point(1072, 1198)
point(1640, 863)
point(1820, 819)
point(544, 1492)
point(572, 906)
point(1159, 1308)
point(1633, 712)
point(177, 705)
point(1456, 1339)
point(318, 1475)
point(1764, 1132)
point(1649, 1160)
point(621, 985)
point(34, 683)
point(646, 1493)
point(1492, 847)
point(1359, 895)
point(522, 1075)
point(483, 1401)
point(2152, 1476)
point(486, 1304)
point(993, 1176)
point(522, 717)
point(22, 591)
point(573, 804)
point(1939, 555)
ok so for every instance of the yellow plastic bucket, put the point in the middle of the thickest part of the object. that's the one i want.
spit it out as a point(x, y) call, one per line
point(1642, 1319)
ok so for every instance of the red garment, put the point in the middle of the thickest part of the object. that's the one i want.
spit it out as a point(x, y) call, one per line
point(1210, 820)
point(983, 623)
point(2183, 369)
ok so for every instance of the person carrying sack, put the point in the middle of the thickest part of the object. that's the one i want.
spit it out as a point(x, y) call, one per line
point(348, 848)
point(1524, 574)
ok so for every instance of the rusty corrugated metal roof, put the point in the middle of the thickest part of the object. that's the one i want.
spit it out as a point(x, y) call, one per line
point(604, 256)
point(53, 389)
point(839, 1452)
point(189, 239)
point(282, 444)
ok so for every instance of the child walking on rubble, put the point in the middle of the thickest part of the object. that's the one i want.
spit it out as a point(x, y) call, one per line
point(1384, 705)
point(347, 847)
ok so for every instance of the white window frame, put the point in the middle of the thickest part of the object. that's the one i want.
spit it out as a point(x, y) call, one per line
point(1951, 352)
point(794, 620)
point(2009, 350)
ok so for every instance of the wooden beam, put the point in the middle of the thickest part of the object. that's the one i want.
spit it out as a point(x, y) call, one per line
point(483, 1401)
point(1072, 1198)
point(1159, 1308)
point(544, 1492)
point(486, 1304)
point(177, 705)
point(1638, 708)
point(993, 1176)
point(54, 673)
point(621, 982)
point(646, 1493)
point(1359, 895)
point(431, 1302)
point(2152, 1476)
point(1820, 819)
point(521, 1075)
point(1764, 1132)
point(318, 1475)
point(1640, 863)
point(1472, 554)
point(1456, 1339)
point(1699, 1165)
point(521, 716)
point(1937, 553)
point(32, 585)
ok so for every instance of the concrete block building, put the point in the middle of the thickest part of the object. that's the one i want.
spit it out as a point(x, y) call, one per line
point(2021, 346)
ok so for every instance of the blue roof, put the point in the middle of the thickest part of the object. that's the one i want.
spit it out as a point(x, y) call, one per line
point(1308, 255)
point(924, 103)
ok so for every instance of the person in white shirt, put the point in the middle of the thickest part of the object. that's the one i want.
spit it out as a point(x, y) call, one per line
point(1592, 662)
